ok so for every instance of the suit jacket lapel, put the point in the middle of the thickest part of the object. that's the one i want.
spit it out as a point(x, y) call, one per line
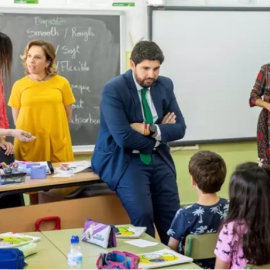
point(135, 96)
point(157, 100)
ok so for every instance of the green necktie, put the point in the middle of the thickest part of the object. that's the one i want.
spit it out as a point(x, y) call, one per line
point(146, 158)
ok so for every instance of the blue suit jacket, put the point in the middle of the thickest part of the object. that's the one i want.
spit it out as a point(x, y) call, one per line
point(121, 106)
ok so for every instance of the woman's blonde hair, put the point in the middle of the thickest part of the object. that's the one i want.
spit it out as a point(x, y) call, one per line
point(49, 52)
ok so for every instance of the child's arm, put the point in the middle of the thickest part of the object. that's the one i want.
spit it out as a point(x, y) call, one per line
point(173, 244)
point(221, 264)
point(223, 248)
point(178, 230)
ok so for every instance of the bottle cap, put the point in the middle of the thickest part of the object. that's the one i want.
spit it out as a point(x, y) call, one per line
point(74, 239)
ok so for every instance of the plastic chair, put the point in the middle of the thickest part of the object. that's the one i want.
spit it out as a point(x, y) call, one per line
point(201, 246)
point(56, 219)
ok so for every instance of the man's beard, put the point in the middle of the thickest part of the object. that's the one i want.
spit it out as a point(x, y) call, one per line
point(141, 82)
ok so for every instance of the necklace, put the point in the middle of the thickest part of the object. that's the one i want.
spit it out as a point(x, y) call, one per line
point(36, 79)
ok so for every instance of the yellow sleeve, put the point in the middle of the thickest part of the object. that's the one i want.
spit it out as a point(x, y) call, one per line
point(15, 97)
point(68, 97)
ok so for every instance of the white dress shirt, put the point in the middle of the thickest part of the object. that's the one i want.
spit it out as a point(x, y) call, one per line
point(152, 108)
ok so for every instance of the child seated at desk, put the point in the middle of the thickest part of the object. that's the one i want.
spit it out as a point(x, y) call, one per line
point(208, 172)
point(245, 235)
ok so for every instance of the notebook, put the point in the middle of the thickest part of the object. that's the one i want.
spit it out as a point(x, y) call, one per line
point(127, 231)
point(161, 258)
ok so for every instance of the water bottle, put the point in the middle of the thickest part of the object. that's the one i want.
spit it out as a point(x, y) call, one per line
point(75, 253)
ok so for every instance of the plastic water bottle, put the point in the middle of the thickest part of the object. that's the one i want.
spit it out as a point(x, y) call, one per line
point(75, 253)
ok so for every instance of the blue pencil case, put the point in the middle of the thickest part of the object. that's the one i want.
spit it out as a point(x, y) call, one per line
point(11, 258)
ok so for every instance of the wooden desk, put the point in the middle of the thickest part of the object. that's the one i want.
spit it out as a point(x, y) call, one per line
point(79, 179)
point(59, 262)
point(61, 240)
point(47, 256)
point(72, 212)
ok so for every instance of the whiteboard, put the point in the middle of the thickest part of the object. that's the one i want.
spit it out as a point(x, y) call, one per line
point(213, 57)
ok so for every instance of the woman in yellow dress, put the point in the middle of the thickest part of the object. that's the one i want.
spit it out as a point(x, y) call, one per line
point(42, 104)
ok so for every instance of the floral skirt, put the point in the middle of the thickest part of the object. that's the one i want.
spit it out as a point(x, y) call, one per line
point(263, 136)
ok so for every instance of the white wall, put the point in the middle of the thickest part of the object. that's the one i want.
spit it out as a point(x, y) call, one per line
point(136, 17)
point(241, 3)
point(210, 56)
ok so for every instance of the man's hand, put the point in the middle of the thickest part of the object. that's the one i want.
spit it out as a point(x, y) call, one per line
point(139, 127)
point(169, 118)
point(22, 136)
point(6, 146)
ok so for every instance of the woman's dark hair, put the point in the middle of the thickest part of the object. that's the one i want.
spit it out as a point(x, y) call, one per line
point(6, 50)
point(249, 194)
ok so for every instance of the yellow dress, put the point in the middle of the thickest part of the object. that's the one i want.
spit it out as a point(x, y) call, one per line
point(42, 112)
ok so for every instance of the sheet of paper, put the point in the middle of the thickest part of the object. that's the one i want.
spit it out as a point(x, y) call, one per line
point(60, 175)
point(141, 243)
point(73, 167)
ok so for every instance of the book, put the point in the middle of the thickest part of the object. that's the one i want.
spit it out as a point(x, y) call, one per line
point(10, 240)
point(127, 231)
point(161, 258)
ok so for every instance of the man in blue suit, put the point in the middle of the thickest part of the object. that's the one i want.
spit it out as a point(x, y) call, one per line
point(139, 116)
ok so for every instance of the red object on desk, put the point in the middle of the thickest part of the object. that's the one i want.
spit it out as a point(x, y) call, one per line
point(56, 219)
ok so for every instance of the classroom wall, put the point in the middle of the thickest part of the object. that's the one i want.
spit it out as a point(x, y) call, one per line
point(233, 154)
point(136, 24)
point(136, 17)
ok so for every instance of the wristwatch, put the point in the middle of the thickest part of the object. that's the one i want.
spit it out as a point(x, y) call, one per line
point(152, 129)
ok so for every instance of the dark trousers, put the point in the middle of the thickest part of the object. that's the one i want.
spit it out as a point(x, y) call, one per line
point(149, 194)
point(14, 200)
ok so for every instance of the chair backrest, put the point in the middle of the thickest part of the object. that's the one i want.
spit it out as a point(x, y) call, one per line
point(201, 246)
point(251, 266)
